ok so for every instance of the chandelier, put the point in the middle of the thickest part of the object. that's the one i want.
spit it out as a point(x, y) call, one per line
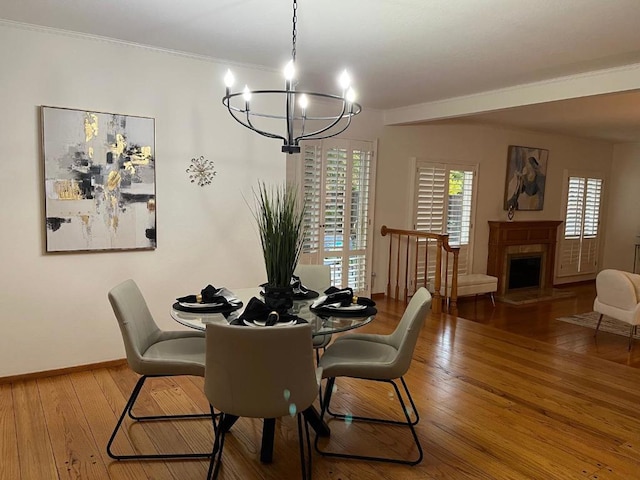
point(301, 121)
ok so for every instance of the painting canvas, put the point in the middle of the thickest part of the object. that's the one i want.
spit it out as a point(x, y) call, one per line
point(99, 175)
point(526, 176)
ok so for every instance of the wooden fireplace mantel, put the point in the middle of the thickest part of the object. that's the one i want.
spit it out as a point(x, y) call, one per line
point(505, 236)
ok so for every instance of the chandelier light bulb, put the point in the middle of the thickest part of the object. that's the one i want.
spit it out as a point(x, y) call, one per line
point(289, 71)
point(246, 93)
point(229, 79)
point(303, 101)
point(350, 95)
point(345, 80)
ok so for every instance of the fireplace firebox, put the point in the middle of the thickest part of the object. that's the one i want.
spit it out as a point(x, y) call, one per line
point(523, 271)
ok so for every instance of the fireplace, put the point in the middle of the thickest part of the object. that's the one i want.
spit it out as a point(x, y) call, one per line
point(523, 271)
point(525, 245)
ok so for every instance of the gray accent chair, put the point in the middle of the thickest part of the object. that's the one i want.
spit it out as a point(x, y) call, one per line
point(317, 278)
point(382, 358)
point(152, 352)
point(260, 373)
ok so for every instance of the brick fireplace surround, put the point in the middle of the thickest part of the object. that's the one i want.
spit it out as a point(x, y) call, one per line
point(522, 238)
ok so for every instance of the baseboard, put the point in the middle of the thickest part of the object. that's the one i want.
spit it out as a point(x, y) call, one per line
point(62, 371)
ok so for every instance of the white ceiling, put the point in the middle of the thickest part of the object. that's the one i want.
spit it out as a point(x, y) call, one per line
point(614, 118)
point(400, 52)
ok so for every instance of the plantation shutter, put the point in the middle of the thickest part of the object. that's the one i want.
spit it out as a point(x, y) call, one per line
point(430, 189)
point(312, 189)
point(335, 186)
point(337, 178)
point(359, 221)
point(579, 245)
point(444, 204)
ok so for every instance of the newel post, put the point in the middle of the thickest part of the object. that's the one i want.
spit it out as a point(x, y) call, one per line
point(436, 302)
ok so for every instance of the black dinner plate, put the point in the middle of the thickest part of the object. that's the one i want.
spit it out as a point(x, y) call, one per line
point(336, 312)
point(217, 309)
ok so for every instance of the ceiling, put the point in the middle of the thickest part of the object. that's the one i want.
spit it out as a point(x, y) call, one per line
point(400, 52)
point(614, 118)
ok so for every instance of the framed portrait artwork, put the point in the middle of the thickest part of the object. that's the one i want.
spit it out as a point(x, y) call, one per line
point(99, 180)
point(526, 176)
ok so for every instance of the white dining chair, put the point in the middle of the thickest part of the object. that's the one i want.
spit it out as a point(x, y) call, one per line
point(152, 352)
point(265, 372)
point(381, 358)
point(318, 279)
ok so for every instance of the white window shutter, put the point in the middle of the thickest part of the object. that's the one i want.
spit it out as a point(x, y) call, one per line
point(575, 208)
point(443, 203)
point(311, 159)
point(431, 183)
point(579, 247)
point(338, 187)
point(335, 186)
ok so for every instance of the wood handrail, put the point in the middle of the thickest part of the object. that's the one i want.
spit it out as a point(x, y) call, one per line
point(413, 237)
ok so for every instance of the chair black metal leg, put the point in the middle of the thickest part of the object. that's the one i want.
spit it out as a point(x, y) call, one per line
point(631, 336)
point(598, 325)
point(382, 420)
point(268, 438)
point(327, 396)
point(308, 441)
point(218, 446)
point(408, 423)
point(215, 415)
point(304, 438)
point(320, 384)
point(127, 411)
point(163, 417)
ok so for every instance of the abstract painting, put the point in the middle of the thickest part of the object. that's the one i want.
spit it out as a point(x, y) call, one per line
point(526, 177)
point(99, 175)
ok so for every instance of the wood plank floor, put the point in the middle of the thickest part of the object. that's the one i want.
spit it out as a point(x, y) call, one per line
point(537, 321)
point(509, 394)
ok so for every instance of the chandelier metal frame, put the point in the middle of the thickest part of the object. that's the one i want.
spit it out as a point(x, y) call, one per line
point(242, 113)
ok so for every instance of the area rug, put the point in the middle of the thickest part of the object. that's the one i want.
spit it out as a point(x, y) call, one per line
point(529, 296)
point(608, 324)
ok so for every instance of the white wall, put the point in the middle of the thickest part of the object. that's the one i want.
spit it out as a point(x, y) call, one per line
point(470, 144)
point(623, 219)
point(54, 310)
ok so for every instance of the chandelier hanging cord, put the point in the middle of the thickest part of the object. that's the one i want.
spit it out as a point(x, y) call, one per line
point(242, 113)
point(294, 32)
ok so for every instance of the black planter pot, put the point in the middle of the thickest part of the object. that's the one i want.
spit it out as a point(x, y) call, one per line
point(279, 299)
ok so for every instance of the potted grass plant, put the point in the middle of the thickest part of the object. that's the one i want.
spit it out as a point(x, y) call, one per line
point(280, 218)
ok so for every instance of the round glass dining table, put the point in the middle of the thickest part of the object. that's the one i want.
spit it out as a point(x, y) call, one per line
point(321, 325)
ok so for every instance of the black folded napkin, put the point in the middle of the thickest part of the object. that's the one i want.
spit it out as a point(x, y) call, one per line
point(256, 310)
point(300, 292)
point(344, 297)
point(208, 294)
point(336, 303)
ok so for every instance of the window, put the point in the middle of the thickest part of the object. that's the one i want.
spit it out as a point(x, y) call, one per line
point(579, 245)
point(444, 198)
point(336, 178)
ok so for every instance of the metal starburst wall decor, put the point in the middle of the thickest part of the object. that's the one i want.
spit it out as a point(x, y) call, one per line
point(201, 171)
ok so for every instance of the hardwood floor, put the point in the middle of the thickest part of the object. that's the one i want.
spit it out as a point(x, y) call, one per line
point(509, 394)
point(537, 321)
